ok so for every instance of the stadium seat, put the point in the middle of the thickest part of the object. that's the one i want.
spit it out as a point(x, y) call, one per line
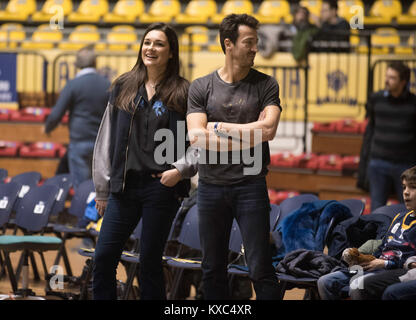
point(11, 34)
point(274, 11)
point(199, 36)
point(409, 48)
point(383, 39)
point(233, 6)
point(18, 10)
point(215, 47)
point(314, 6)
point(125, 11)
point(121, 37)
point(89, 11)
point(197, 12)
point(355, 39)
point(49, 10)
point(383, 12)
point(81, 36)
point(43, 38)
point(161, 11)
point(344, 8)
point(410, 16)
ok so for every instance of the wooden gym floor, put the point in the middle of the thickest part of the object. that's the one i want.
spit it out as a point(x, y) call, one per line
point(77, 263)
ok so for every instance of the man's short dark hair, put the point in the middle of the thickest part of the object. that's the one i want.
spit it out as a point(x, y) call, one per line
point(410, 176)
point(229, 26)
point(332, 4)
point(86, 57)
point(402, 69)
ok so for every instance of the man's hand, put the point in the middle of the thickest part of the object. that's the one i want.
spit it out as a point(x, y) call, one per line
point(169, 178)
point(100, 205)
point(373, 265)
point(412, 265)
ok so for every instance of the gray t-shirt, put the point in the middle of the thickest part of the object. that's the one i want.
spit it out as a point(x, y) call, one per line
point(239, 102)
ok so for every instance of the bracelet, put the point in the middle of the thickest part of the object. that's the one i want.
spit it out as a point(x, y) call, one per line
point(216, 128)
point(219, 133)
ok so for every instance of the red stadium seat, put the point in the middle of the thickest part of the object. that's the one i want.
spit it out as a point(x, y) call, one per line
point(330, 162)
point(9, 148)
point(40, 150)
point(347, 126)
point(350, 162)
point(30, 114)
point(5, 114)
point(323, 127)
point(288, 160)
point(285, 160)
point(307, 161)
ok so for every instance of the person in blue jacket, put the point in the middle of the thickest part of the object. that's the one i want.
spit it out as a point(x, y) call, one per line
point(131, 181)
point(85, 97)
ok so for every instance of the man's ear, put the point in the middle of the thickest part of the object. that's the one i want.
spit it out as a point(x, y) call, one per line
point(228, 44)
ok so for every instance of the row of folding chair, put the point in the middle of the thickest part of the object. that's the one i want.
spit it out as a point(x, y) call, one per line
point(188, 238)
point(33, 210)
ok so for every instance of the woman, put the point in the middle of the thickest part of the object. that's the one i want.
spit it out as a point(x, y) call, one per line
point(130, 184)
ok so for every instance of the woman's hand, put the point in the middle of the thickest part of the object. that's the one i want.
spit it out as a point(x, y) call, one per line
point(169, 178)
point(100, 205)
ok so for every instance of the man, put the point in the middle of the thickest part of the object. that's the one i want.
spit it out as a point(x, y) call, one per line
point(234, 107)
point(85, 97)
point(302, 31)
point(334, 30)
point(390, 138)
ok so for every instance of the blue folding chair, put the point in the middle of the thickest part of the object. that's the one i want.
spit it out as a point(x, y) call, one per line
point(133, 259)
point(64, 183)
point(294, 203)
point(3, 175)
point(390, 210)
point(27, 180)
point(8, 196)
point(84, 193)
point(188, 237)
point(32, 216)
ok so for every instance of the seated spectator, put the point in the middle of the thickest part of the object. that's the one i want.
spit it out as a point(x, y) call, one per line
point(333, 32)
point(398, 245)
point(303, 32)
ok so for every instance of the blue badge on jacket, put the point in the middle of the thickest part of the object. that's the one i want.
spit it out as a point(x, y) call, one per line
point(159, 108)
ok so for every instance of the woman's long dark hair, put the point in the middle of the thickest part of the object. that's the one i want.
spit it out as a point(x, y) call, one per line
point(172, 90)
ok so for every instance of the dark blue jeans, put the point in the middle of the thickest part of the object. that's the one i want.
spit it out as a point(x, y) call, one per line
point(383, 176)
point(157, 206)
point(401, 291)
point(248, 203)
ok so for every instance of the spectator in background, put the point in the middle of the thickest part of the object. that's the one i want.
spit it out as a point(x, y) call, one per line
point(390, 138)
point(396, 251)
point(303, 31)
point(85, 97)
point(333, 30)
